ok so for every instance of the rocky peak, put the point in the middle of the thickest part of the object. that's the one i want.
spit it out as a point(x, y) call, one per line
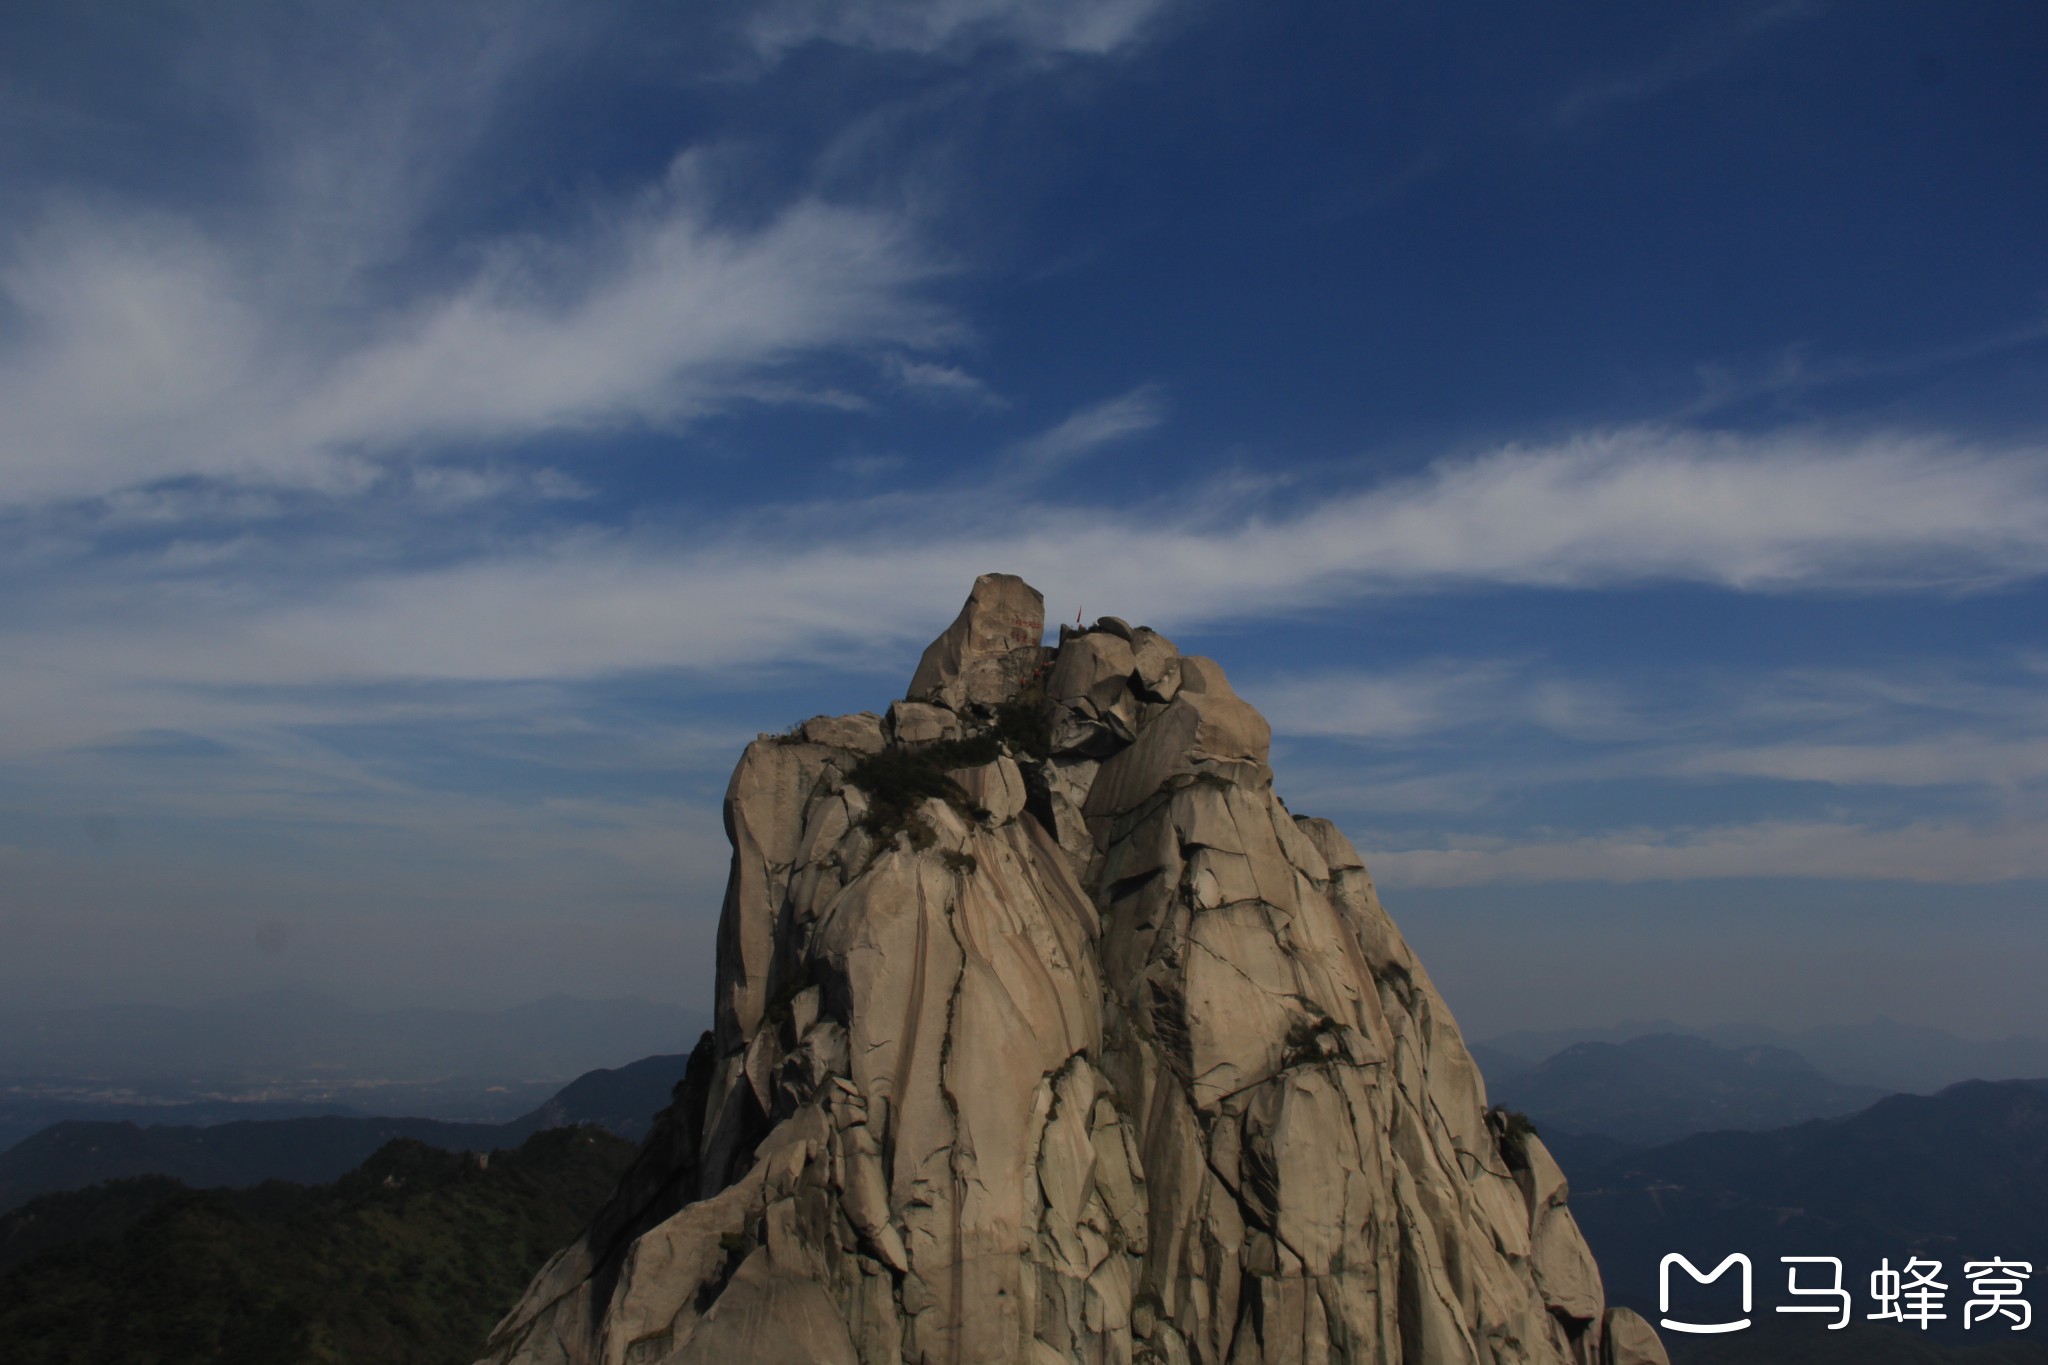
point(1047, 1033)
point(989, 650)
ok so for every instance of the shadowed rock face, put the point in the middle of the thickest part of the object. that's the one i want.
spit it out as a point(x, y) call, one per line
point(1102, 1055)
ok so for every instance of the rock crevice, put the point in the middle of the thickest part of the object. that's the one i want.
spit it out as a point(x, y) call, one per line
point(1090, 1051)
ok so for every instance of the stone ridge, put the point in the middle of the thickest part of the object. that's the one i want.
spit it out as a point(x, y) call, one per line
point(1102, 1055)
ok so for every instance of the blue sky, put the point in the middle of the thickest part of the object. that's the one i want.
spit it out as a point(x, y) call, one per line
point(1609, 443)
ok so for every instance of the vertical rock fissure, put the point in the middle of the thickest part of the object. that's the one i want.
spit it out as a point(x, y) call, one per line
point(957, 1268)
point(1251, 1213)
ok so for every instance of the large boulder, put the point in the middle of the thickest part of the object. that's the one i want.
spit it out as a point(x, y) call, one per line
point(1044, 1054)
point(985, 656)
point(1631, 1341)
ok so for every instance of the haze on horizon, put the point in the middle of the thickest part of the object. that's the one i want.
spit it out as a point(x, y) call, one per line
point(437, 437)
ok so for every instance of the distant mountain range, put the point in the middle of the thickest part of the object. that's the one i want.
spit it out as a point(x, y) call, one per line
point(1664, 1086)
point(1957, 1176)
point(299, 1056)
point(1790, 1343)
point(74, 1154)
point(297, 1037)
point(27, 1108)
point(1711, 1141)
point(1698, 1141)
point(1882, 1053)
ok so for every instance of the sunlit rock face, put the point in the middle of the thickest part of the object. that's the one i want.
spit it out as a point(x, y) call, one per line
point(1046, 1032)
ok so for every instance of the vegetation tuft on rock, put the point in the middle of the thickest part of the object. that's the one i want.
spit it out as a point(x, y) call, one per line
point(898, 780)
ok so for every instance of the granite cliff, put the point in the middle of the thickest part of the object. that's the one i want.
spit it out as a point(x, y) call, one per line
point(1045, 1032)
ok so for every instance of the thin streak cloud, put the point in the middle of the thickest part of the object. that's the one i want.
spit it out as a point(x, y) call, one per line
point(150, 361)
point(1087, 27)
point(1090, 429)
point(1779, 515)
point(1924, 852)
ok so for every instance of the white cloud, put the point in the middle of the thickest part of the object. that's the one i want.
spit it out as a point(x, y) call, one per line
point(319, 298)
point(1933, 760)
point(1091, 428)
point(1913, 726)
point(1317, 785)
point(150, 360)
point(1782, 512)
point(1089, 27)
point(137, 335)
point(863, 582)
point(1428, 702)
point(1925, 852)
point(1696, 55)
point(676, 317)
point(868, 466)
point(941, 382)
point(1793, 371)
point(1462, 735)
point(1414, 702)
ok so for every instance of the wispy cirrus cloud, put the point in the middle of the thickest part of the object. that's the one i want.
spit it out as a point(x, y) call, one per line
point(1958, 758)
point(673, 318)
point(1090, 27)
point(863, 581)
point(1436, 700)
point(1478, 740)
point(1831, 711)
point(148, 358)
point(1089, 429)
point(1909, 725)
point(1926, 852)
point(1417, 702)
point(305, 548)
point(331, 300)
point(940, 382)
point(1793, 373)
point(1696, 55)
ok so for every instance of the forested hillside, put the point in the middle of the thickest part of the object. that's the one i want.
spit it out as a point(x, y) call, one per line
point(407, 1260)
